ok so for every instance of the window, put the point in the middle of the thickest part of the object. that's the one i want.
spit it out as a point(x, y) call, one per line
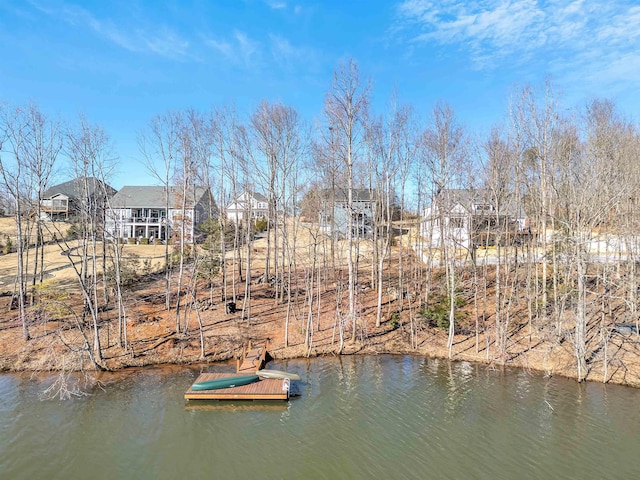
point(483, 207)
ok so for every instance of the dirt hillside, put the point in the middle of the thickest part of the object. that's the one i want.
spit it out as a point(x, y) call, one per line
point(57, 343)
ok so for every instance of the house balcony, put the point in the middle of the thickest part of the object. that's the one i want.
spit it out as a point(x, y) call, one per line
point(144, 220)
point(53, 209)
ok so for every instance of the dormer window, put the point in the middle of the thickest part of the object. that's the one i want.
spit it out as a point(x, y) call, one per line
point(483, 207)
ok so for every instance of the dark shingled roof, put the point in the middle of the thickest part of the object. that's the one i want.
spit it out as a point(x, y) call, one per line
point(72, 188)
point(154, 197)
point(259, 197)
point(358, 194)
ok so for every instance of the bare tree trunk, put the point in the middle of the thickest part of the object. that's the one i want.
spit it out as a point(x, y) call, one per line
point(162, 141)
point(581, 321)
point(445, 148)
point(345, 109)
point(246, 304)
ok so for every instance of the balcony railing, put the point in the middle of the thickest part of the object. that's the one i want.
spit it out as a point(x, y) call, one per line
point(144, 220)
point(53, 209)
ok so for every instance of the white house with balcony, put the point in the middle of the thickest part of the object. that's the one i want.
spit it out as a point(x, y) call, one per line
point(248, 205)
point(153, 212)
point(464, 218)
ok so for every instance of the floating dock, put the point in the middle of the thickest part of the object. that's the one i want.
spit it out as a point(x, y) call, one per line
point(254, 358)
point(264, 389)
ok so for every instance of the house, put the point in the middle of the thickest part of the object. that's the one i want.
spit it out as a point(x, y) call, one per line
point(253, 204)
point(64, 201)
point(464, 218)
point(138, 212)
point(334, 212)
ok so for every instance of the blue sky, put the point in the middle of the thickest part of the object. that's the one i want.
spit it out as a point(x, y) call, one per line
point(122, 62)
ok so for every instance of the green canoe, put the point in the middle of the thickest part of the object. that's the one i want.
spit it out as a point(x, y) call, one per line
point(225, 382)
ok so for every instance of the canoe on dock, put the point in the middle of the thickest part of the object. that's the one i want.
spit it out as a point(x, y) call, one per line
point(225, 386)
point(277, 374)
point(264, 389)
point(225, 382)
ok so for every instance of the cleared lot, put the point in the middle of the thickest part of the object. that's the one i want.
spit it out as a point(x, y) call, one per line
point(57, 264)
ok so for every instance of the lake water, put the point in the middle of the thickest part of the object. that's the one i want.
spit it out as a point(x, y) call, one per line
point(384, 417)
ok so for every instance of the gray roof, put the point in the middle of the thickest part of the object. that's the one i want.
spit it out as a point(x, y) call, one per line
point(154, 197)
point(449, 198)
point(72, 188)
point(259, 197)
point(358, 194)
point(242, 198)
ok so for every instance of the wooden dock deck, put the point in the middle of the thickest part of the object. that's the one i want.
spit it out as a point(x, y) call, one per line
point(254, 358)
point(263, 389)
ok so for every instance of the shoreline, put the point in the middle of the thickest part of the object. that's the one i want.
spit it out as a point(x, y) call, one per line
point(524, 361)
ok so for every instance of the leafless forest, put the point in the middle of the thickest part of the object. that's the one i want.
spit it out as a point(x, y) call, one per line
point(572, 280)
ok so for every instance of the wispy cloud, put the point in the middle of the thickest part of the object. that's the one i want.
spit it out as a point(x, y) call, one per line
point(161, 41)
point(295, 8)
point(224, 47)
point(247, 47)
point(239, 49)
point(290, 56)
point(589, 36)
point(276, 4)
point(276, 52)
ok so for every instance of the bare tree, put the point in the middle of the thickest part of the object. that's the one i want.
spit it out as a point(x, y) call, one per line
point(391, 149)
point(345, 108)
point(242, 173)
point(329, 173)
point(277, 132)
point(222, 124)
point(42, 146)
point(593, 185)
point(445, 154)
point(161, 142)
point(195, 153)
point(407, 151)
point(535, 121)
point(89, 150)
point(29, 144)
point(497, 226)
